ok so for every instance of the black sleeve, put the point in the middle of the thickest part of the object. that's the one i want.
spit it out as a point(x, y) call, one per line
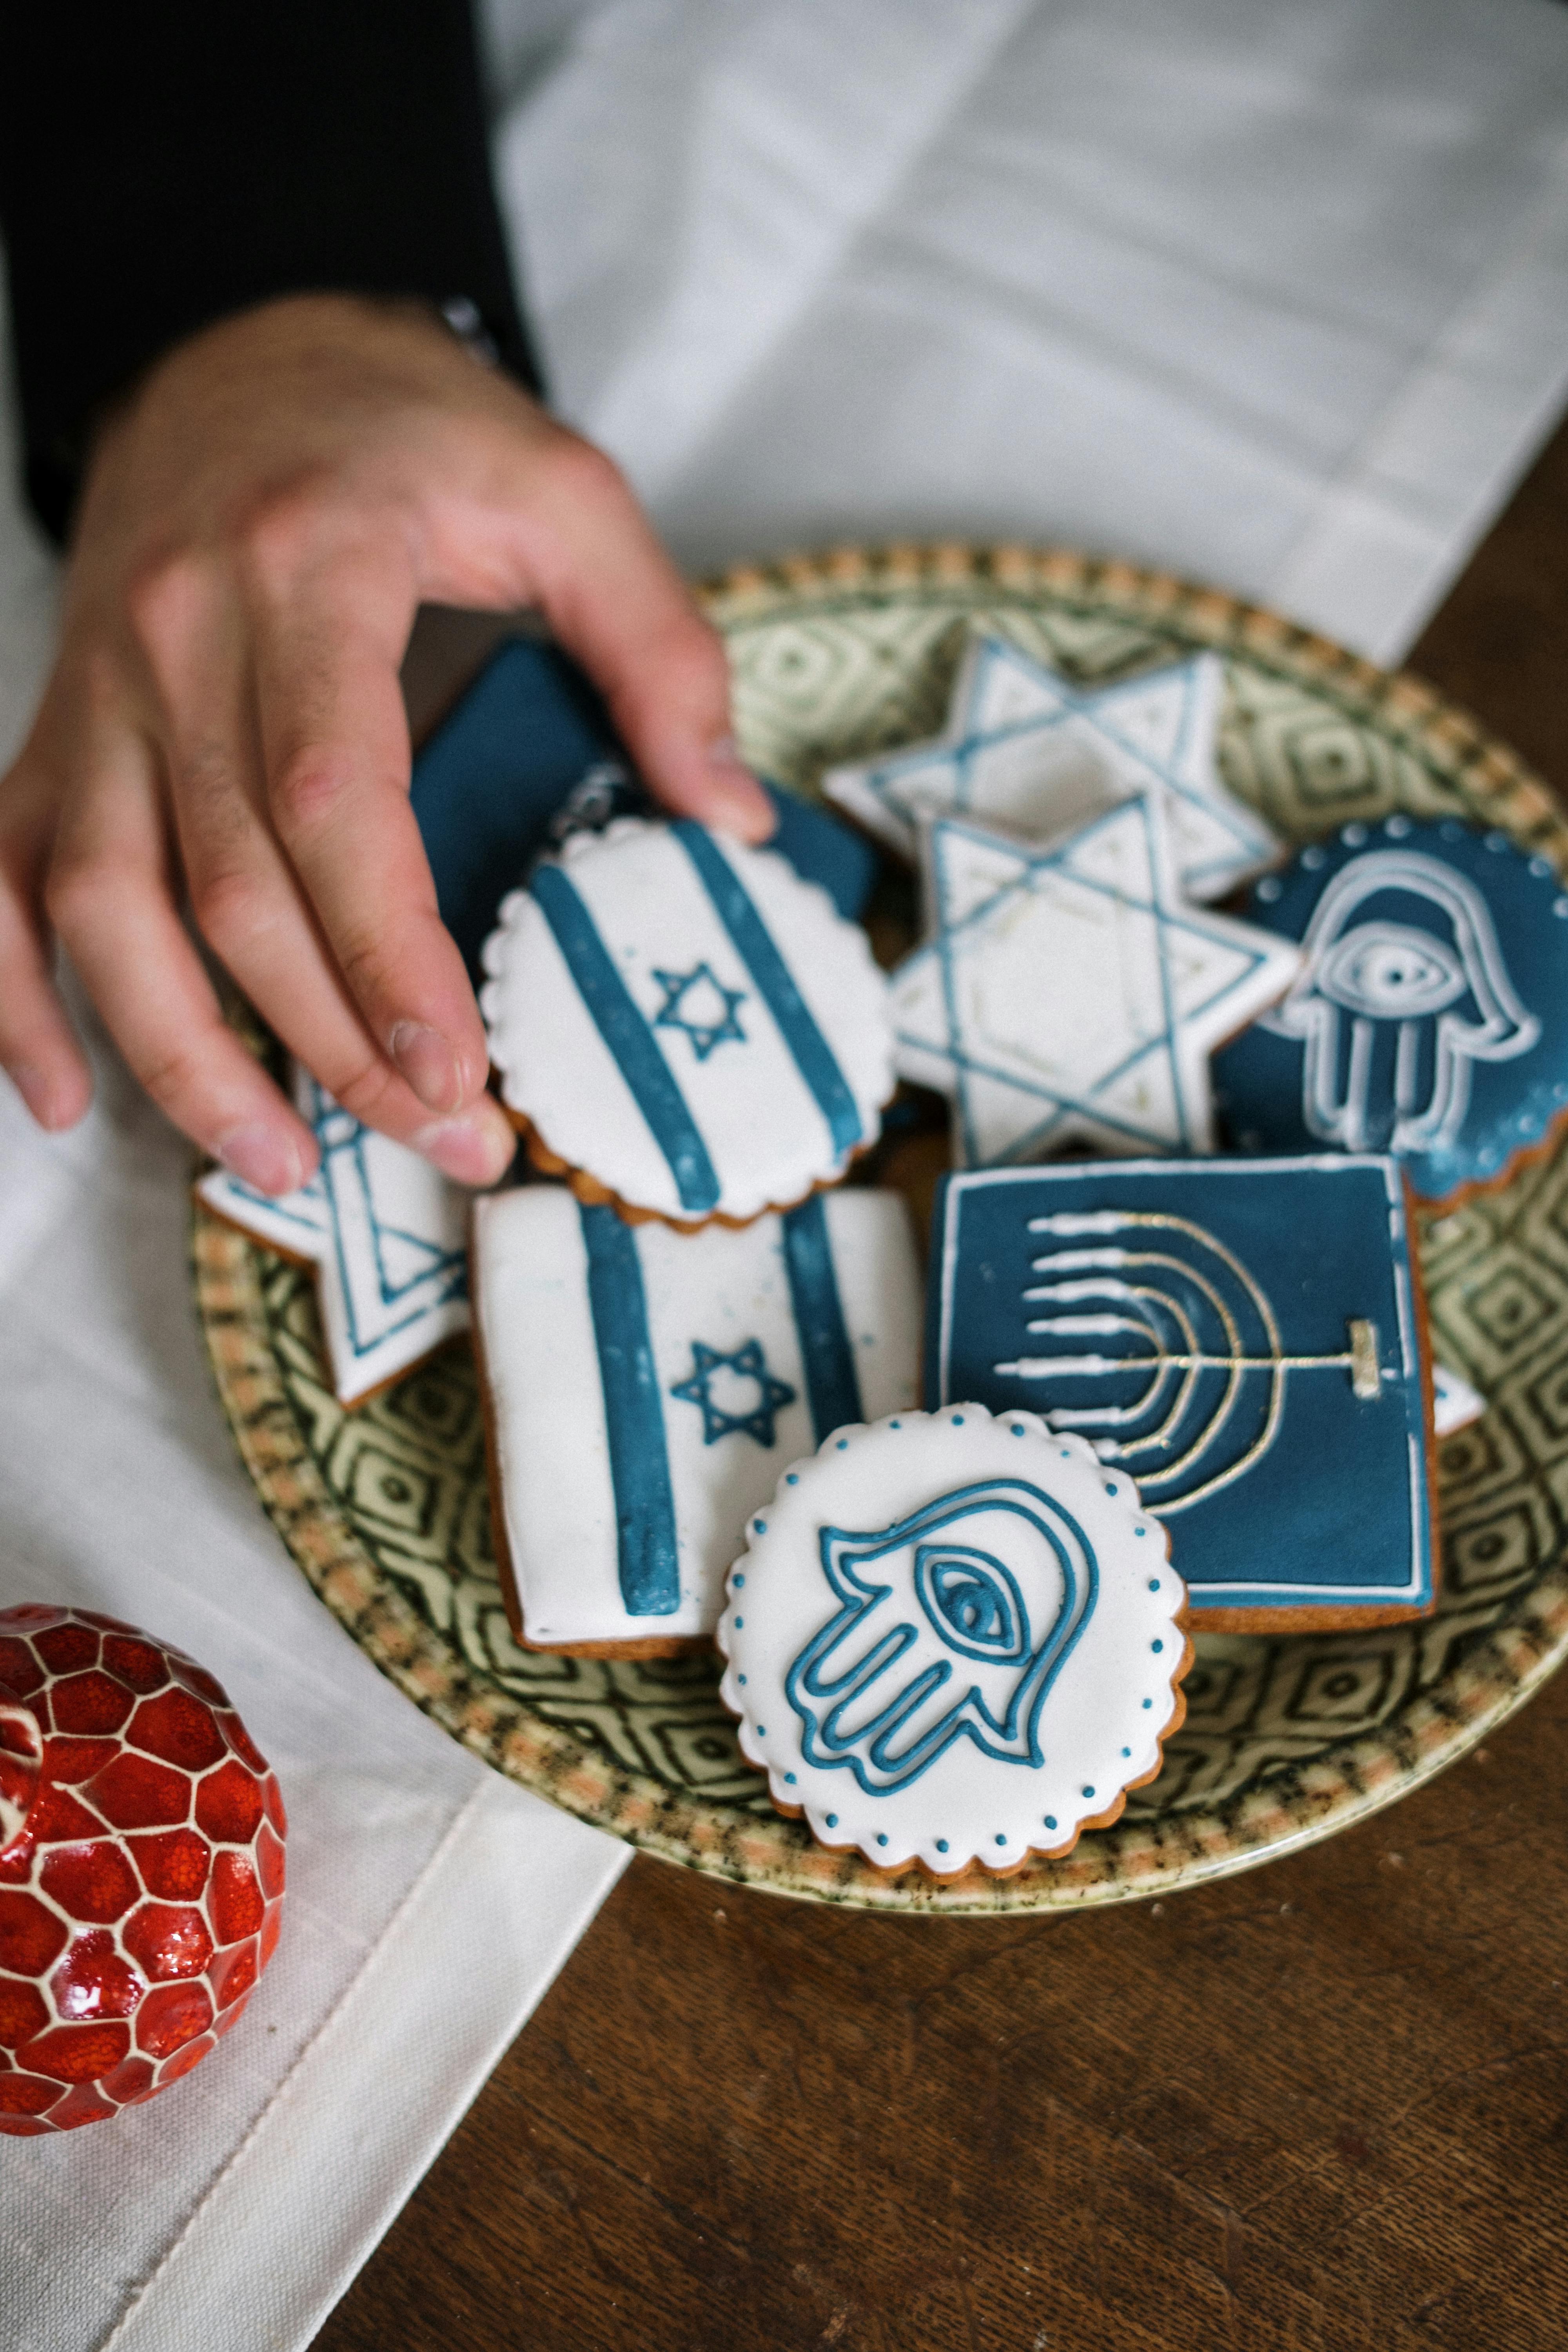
point(165, 162)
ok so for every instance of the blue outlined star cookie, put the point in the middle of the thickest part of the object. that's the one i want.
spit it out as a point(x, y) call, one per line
point(383, 1229)
point(1027, 751)
point(687, 995)
point(1070, 994)
point(763, 1397)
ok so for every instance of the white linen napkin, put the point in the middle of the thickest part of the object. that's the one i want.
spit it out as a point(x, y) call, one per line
point(1273, 296)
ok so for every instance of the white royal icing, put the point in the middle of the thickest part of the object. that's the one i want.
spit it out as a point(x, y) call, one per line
point(687, 1020)
point(1069, 993)
point(647, 1387)
point(1455, 1403)
point(952, 1638)
point(385, 1232)
point(1027, 751)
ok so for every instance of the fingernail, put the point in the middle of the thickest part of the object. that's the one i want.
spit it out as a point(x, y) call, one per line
point(428, 1064)
point(746, 808)
point(262, 1157)
point(33, 1087)
point(476, 1151)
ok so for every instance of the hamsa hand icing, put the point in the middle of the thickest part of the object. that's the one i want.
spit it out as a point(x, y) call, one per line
point(953, 1638)
point(685, 1024)
point(1426, 1019)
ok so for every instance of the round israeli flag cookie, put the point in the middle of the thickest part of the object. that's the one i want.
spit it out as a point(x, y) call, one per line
point(953, 1638)
point(684, 1026)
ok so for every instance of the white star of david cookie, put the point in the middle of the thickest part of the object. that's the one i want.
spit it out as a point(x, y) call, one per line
point(1070, 994)
point(383, 1229)
point(1025, 750)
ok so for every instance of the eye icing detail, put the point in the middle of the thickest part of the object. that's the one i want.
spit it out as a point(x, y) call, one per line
point(1391, 971)
point(973, 1600)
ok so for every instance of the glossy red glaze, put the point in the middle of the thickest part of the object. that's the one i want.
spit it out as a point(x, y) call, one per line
point(90, 1702)
point(93, 1980)
point(229, 1804)
point(169, 1939)
point(134, 1793)
point(234, 1972)
point(175, 1865)
point(141, 1867)
point(90, 1882)
point(179, 1728)
point(234, 1900)
point(171, 2016)
point(140, 1666)
point(67, 1647)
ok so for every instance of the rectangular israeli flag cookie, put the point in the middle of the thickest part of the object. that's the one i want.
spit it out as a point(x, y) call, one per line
point(646, 1389)
point(1243, 1337)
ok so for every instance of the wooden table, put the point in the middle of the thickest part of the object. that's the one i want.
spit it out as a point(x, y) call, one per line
point(1322, 2105)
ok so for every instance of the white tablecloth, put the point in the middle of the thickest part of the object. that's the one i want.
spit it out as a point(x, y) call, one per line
point(1270, 293)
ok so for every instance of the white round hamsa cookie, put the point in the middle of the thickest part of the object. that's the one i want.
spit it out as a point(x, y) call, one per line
point(953, 1638)
point(685, 1025)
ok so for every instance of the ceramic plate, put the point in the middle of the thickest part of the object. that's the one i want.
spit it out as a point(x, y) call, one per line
point(1286, 1739)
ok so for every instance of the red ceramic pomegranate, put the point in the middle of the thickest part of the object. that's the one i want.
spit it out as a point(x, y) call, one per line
point(140, 1866)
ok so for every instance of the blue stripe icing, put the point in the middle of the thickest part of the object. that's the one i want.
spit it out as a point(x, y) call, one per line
point(629, 1039)
point(774, 984)
point(825, 1352)
point(634, 1418)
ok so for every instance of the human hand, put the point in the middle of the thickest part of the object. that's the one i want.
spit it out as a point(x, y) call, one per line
point(259, 523)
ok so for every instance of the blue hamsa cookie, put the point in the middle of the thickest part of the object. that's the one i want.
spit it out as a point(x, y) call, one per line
point(1430, 1015)
point(1242, 1336)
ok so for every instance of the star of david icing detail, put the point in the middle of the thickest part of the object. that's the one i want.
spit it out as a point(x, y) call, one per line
point(1027, 751)
point(691, 995)
point(383, 1229)
point(748, 1363)
point(1070, 994)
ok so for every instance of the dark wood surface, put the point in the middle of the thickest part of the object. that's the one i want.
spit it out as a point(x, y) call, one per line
point(1321, 2106)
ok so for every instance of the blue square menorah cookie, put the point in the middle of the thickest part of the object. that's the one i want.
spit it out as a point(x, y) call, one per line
point(1243, 1337)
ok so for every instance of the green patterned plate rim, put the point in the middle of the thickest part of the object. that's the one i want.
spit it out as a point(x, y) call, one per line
point(1286, 1739)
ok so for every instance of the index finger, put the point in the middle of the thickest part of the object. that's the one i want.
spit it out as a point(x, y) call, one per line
point(335, 750)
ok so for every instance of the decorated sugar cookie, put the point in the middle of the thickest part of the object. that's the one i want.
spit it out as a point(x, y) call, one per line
point(1243, 1338)
point(1028, 753)
point(385, 1233)
point(645, 1388)
point(686, 1026)
point(954, 1639)
point(1070, 993)
point(1430, 1014)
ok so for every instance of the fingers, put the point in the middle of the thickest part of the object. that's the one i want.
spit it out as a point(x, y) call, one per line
point(334, 746)
point(614, 599)
point(247, 902)
point(38, 1050)
point(110, 898)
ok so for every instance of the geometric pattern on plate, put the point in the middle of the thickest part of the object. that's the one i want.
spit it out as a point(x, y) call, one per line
point(687, 1022)
point(142, 1894)
point(1030, 753)
point(1241, 1337)
point(1069, 995)
point(952, 1639)
point(646, 1388)
point(1428, 1017)
point(384, 1230)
